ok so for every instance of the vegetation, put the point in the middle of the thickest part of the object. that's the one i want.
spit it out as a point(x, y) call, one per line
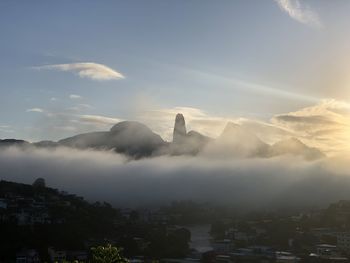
point(107, 254)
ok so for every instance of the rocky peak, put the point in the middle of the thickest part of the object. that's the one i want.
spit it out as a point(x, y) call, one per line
point(179, 129)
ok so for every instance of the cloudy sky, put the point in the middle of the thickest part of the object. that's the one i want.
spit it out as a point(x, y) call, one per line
point(279, 67)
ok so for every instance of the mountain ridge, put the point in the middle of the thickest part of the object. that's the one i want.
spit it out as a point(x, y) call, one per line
point(136, 140)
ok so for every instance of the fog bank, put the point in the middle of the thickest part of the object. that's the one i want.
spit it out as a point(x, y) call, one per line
point(252, 183)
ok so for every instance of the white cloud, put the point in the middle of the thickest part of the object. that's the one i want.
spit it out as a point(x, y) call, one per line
point(85, 106)
point(325, 125)
point(97, 119)
point(35, 110)
point(245, 184)
point(58, 124)
point(74, 96)
point(66, 128)
point(79, 107)
point(87, 70)
point(53, 99)
point(300, 12)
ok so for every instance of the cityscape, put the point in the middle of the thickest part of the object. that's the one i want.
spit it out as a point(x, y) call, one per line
point(53, 225)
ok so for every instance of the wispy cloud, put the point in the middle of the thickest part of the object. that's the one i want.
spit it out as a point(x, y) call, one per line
point(74, 96)
point(300, 12)
point(244, 85)
point(97, 119)
point(85, 106)
point(35, 110)
point(87, 70)
point(325, 125)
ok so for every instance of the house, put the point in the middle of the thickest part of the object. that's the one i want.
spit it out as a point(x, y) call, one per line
point(222, 246)
point(242, 236)
point(326, 250)
point(40, 218)
point(27, 256)
point(57, 255)
point(286, 257)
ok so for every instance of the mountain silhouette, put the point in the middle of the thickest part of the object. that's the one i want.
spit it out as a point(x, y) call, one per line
point(13, 142)
point(293, 146)
point(128, 137)
point(186, 143)
point(136, 140)
point(239, 142)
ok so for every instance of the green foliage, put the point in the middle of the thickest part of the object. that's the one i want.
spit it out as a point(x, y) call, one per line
point(107, 254)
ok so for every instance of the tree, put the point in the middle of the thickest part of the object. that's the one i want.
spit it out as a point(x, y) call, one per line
point(107, 254)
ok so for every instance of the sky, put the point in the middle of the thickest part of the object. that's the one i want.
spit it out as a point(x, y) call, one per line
point(278, 66)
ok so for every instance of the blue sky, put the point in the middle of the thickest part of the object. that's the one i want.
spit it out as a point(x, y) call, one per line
point(251, 59)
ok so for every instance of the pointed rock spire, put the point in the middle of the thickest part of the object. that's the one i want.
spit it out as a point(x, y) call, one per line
point(179, 129)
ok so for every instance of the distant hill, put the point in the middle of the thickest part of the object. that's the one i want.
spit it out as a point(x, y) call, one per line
point(11, 142)
point(131, 138)
point(237, 141)
point(242, 142)
point(293, 146)
point(39, 217)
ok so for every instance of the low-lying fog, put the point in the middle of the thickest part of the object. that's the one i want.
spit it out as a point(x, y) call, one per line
point(252, 183)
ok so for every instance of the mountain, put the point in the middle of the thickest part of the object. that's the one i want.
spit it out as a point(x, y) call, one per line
point(46, 144)
point(88, 140)
point(179, 133)
point(128, 137)
point(198, 138)
point(13, 142)
point(137, 140)
point(293, 146)
point(186, 143)
point(239, 142)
